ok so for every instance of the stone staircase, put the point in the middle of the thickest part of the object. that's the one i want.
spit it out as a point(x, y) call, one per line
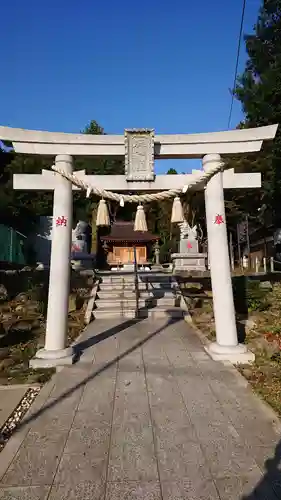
point(159, 296)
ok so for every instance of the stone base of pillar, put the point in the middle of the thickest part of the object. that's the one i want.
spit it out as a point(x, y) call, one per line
point(52, 359)
point(238, 354)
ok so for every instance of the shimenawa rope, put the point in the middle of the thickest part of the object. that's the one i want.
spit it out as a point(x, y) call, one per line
point(140, 198)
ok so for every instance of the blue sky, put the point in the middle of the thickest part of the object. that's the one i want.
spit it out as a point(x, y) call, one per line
point(159, 64)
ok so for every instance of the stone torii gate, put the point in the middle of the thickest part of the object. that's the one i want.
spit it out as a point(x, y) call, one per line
point(139, 147)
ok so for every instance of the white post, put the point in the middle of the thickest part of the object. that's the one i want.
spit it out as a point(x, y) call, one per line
point(257, 265)
point(271, 264)
point(264, 265)
point(226, 346)
point(231, 252)
point(55, 351)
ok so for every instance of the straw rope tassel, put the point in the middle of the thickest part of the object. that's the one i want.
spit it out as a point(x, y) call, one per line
point(177, 211)
point(140, 220)
point(102, 214)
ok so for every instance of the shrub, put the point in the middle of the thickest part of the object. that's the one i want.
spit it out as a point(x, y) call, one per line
point(257, 298)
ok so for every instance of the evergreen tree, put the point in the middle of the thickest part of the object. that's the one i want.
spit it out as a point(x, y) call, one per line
point(259, 91)
point(21, 209)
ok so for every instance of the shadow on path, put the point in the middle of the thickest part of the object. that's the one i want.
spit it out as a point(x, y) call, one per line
point(103, 368)
point(80, 347)
point(269, 487)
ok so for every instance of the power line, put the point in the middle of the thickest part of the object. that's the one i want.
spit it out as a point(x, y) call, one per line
point(237, 61)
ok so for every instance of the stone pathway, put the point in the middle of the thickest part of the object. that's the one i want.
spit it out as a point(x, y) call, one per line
point(10, 397)
point(145, 414)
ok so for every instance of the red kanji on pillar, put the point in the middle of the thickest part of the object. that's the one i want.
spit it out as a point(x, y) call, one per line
point(219, 219)
point(61, 221)
point(189, 245)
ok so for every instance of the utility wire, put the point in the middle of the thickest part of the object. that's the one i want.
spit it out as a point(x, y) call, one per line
point(237, 62)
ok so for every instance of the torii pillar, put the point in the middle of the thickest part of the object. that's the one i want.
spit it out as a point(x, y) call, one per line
point(57, 314)
point(226, 347)
point(55, 352)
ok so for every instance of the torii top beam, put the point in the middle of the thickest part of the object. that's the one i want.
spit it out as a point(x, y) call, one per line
point(165, 146)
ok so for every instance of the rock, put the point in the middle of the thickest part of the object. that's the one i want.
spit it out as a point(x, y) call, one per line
point(22, 297)
point(83, 292)
point(72, 303)
point(268, 370)
point(6, 363)
point(22, 325)
point(31, 308)
point(195, 286)
point(3, 293)
point(247, 372)
point(6, 317)
point(265, 285)
point(4, 353)
point(269, 347)
point(248, 323)
point(5, 308)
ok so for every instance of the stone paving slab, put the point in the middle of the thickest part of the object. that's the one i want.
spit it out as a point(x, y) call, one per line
point(145, 414)
point(10, 397)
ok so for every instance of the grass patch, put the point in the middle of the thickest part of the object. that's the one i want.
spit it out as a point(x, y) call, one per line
point(265, 378)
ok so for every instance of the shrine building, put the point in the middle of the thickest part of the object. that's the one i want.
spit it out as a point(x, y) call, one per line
point(120, 243)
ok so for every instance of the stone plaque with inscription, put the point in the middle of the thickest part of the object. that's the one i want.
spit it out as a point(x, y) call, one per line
point(139, 155)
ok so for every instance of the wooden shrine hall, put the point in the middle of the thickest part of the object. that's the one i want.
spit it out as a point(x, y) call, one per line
point(120, 243)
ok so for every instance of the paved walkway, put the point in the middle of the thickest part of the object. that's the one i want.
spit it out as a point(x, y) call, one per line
point(145, 414)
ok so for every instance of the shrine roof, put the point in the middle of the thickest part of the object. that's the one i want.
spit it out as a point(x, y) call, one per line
point(124, 231)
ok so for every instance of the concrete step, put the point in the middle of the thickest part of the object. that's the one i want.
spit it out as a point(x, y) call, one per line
point(131, 278)
point(131, 286)
point(113, 313)
point(170, 312)
point(121, 294)
point(130, 303)
point(121, 286)
point(155, 313)
point(118, 279)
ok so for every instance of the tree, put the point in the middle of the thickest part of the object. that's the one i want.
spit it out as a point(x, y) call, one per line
point(21, 209)
point(86, 208)
point(259, 91)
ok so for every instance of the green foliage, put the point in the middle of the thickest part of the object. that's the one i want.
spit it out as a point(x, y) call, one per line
point(259, 91)
point(83, 207)
point(21, 209)
point(93, 128)
point(249, 296)
point(257, 298)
